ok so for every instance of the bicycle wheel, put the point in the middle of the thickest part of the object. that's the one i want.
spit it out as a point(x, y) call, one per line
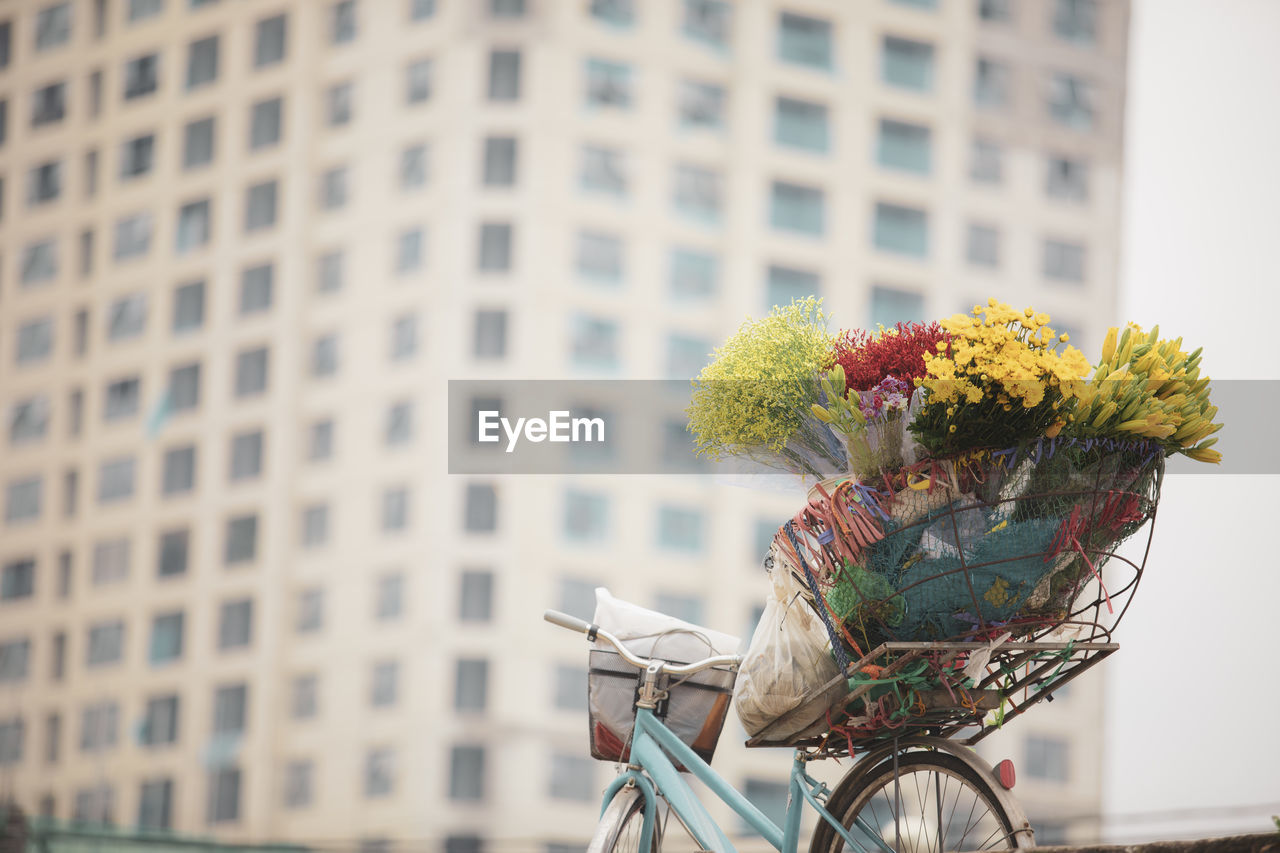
point(940, 804)
point(621, 825)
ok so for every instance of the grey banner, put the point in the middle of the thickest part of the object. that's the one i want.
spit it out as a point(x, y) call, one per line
point(634, 426)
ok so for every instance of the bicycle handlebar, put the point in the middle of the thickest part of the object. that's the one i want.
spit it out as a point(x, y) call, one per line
point(594, 632)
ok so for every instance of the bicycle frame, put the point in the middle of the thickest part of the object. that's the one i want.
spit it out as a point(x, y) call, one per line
point(652, 769)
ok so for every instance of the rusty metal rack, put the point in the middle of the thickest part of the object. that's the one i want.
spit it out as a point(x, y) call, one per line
point(1016, 677)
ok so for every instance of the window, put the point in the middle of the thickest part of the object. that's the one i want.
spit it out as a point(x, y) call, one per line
point(310, 613)
point(344, 22)
point(384, 687)
point(132, 236)
point(594, 342)
point(116, 480)
point(599, 256)
point(686, 356)
point(769, 796)
point(106, 644)
point(6, 43)
point(903, 230)
point(992, 84)
point(224, 794)
point(701, 105)
point(330, 271)
point(904, 146)
point(303, 702)
point(44, 183)
point(160, 721)
point(708, 21)
point(986, 162)
point(260, 206)
point(798, 208)
point(166, 637)
point(697, 193)
point(251, 372)
point(404, 337)
point(490, 340)
point(29, 420)
point(693, 273)
point(475, 599)
point(12, 736)
point(379, 773)
point(324, 356)
point(603, 170)
point(52, 737)
point(413, 167)
point(70, 491)
point(339, 105)
point(266, 119)
point(193, 226)
point(499, 161)
point(15, 657)
point(95, 804)
point(421, 10)
point(142, 9)
point(230, 703)
point(890, 306)
point(395, 509)
point(53, 26)
point(1047, 758)
point(466, 773)
point(184, 388)
point(586, 516)
point(110, 561)
point(65, 570)
point(409, 251)
point(269, 41)
point(256, 285)
point(1070, 101)
point(1067, 179)
point(99, 726)
point(618, 13)
point(35, 340)
point(608, 84)
point(241, 543)
point(680, 528)
point(995, 11)
point(202, 62)
point(801, 124)
point(188, 313)
point(246, 455)
point(95, 92)
point(141, 76)
point(504, 75)
point(49, 104)
point(495, 247)
point(179, 471)
point(127, 317)
point(18, 580)
point(1063, 261)
point(297, 784)
point(507, 8)
point(570, 691)
point(86, 250)
point(235, 624)
point(320, 440)
point(333, 188)
point(804, 41)
point(197, 143)
point(399, 424)
point(155, 804)
point(1076, 20)
point(389, 598)
point(907, 64)
point(39, 262)
point(983, 245)
point(175, 547)
point(481, 508)
point(418, 81)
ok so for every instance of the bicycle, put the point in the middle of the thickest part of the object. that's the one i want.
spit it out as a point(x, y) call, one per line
point(922, 791)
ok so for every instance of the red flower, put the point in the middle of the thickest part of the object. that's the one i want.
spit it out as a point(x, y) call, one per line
point(867, 360)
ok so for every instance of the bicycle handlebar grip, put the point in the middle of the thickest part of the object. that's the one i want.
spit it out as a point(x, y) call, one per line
point(564, 620)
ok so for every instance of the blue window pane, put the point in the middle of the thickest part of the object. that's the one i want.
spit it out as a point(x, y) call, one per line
point(786, 284)
point(698, 193)
point(680, 528)
point(608, 84)
point(618, 13)
point(693, 274)
point(594, 342)
point(801, 124)
point(586, 516)
point(798, 208)
point(804, 41)
point(708, 22)
point(904, 146)
point(683, 607)
point(686, 356)
point(907, 64)
point(904, 230)
point(890, 307)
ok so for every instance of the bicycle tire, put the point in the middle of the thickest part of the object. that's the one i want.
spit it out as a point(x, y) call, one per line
point(931, 785)
point(621, 825)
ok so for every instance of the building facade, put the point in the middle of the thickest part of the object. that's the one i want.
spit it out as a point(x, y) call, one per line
point(243, 247)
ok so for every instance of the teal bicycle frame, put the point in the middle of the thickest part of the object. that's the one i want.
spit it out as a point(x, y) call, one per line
point(652, 769)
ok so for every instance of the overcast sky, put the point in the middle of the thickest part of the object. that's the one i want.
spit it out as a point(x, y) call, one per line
point(1194, 694)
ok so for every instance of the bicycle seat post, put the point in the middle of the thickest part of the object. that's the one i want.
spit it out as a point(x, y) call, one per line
point(650, 695)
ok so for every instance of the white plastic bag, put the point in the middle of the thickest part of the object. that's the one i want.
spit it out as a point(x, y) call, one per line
point(788, 661)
